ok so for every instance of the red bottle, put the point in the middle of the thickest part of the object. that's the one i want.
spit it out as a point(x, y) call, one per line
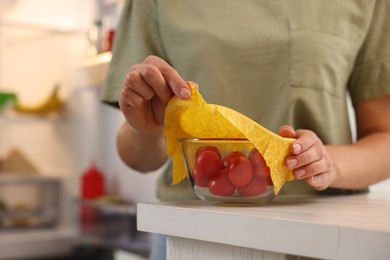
point(92, 183)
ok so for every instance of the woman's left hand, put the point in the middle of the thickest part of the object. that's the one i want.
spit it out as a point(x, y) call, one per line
point(309, 159)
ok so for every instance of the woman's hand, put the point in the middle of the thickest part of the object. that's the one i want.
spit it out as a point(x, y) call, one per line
point(309, 159)
point(146, 91)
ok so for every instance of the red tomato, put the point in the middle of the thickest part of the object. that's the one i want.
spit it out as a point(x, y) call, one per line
point(227, 159)
point(200, 180)
point(207, 164)
point(220, 185)
point(259, 165)
point(208, 148)
point(240, 171)
point(269, 181)
point(255, 187)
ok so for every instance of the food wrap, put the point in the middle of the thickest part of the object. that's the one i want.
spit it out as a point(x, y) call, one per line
point(194, 118)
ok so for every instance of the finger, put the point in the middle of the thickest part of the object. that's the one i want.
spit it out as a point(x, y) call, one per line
point(193, 83)
point(305, 140)
point(129, 97)
point(153, 77)
point(320, 181)
point(314, 153)
point(287, 131)
point(312, 169)
point(134, 83)
point(158, 110)
point(171, 76)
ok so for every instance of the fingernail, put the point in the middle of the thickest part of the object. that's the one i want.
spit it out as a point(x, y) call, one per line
point(297, 148)
point(185, 93)
point(291, 163)
point(299, 173)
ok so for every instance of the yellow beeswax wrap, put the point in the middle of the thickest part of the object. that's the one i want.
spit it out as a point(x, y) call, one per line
point(194, 118)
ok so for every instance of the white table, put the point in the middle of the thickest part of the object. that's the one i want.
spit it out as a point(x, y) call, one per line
point(332, 227)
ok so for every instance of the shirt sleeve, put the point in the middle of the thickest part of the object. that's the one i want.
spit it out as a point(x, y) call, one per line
point(370, 77)
point(137, 36)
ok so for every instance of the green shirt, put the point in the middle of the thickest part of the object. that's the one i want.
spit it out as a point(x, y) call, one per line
point(277, 62)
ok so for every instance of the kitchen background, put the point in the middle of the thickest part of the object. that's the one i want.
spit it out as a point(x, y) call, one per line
point(64, 43)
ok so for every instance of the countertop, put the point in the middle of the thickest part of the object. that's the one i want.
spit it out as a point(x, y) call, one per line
point(326, 227)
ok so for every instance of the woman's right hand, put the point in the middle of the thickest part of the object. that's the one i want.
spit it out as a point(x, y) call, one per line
point(146, 91)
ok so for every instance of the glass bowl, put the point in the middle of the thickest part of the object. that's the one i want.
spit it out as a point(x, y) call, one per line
point(227, 171)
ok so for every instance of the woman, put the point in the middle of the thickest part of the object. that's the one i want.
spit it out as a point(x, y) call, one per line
point(291, 66)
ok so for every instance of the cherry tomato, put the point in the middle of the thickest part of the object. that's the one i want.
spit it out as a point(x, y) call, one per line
point(259, 165)
point(227, 159)
point(269, 181)
point(207, 164)
point(240, 171)
point(256, 186)
point(200, 180)
point(220, 184)
point(208, 148)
